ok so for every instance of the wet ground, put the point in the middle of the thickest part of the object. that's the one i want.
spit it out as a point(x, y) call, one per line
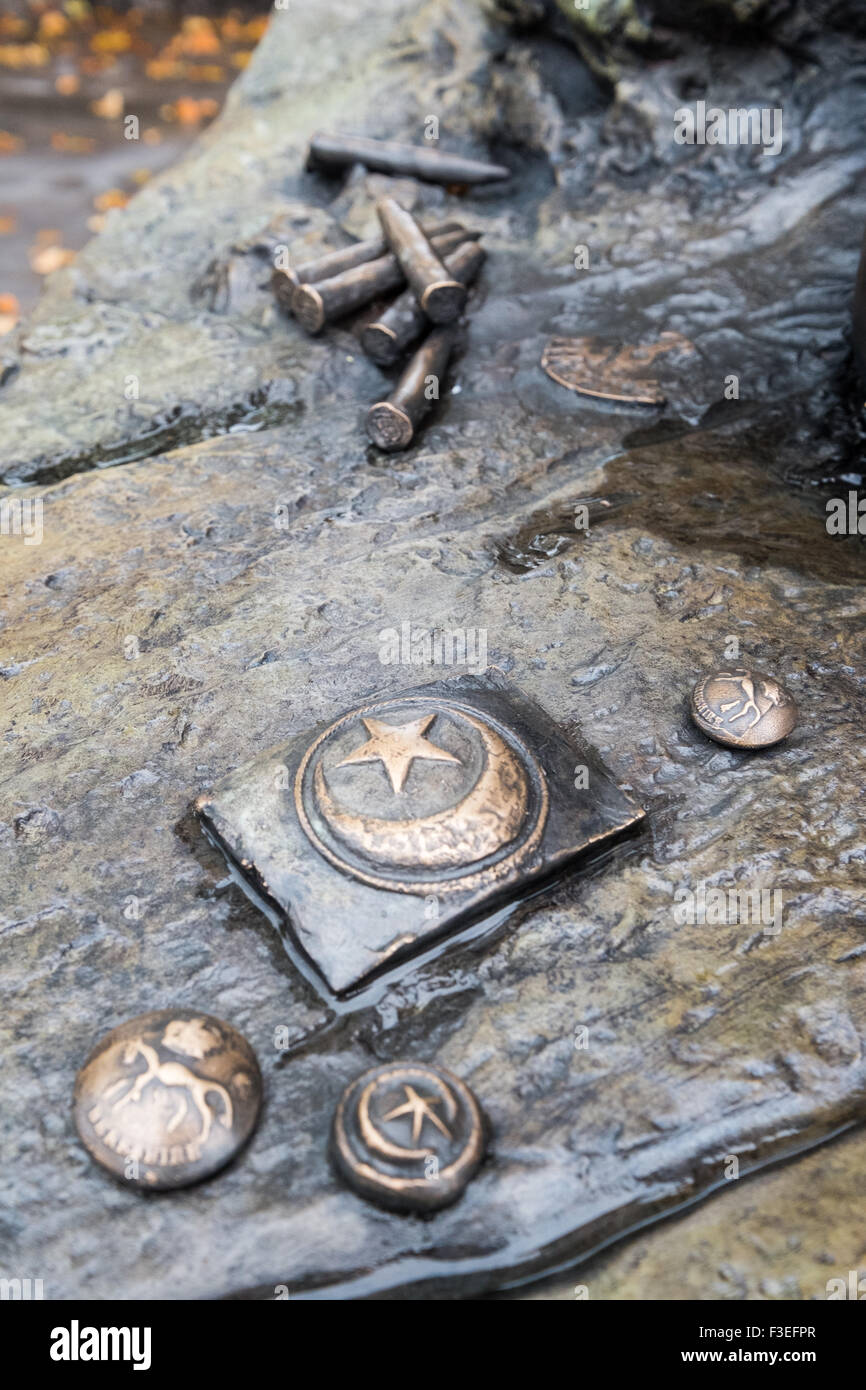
point(93, 102)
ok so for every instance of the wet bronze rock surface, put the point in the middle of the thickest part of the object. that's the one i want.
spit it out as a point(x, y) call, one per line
point(195, 607)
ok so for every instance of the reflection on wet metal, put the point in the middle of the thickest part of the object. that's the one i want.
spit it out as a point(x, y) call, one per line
point(315, 305)
point(388, 338)
point(168, 1098)
point(611, 372)
point(408, 1136)
point(439, 295)
point(743, 708)
point(408, 817)
point(391, 424)
point(389, 157)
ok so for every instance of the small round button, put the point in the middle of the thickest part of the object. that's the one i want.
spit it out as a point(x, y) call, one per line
point(743, 708)
point(168, 1098)
point(408, 1136)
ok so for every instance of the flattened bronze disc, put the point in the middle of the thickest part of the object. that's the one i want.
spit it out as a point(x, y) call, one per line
point(168, 1098)
point(743, 708)
point(408, 1136)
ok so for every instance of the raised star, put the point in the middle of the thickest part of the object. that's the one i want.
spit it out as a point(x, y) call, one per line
point(397, 745)
point(420, 1108)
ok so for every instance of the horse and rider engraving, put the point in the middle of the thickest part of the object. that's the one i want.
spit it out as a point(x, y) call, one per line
point(174, 1075)
point(748, 698)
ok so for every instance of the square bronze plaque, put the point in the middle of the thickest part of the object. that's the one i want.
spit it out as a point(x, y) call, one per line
point(408, 817)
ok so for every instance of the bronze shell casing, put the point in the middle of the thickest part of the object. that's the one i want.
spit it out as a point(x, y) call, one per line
point(440, 296)
point(315, 305)
point(328, 151)
point(386, 340)
point(335, 262)
point(391, 424)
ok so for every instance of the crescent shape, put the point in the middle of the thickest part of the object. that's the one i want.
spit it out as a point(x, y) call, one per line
point(373, 1137)
point(488, 817)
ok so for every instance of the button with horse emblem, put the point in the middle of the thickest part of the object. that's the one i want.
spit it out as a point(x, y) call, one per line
point(743, 708)
point(408, 1136)
point(168, 1098)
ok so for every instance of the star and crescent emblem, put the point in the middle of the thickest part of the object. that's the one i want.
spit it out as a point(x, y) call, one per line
point(493, 796)
point(396, 746)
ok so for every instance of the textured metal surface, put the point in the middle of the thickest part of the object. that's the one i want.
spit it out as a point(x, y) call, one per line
point(408, 1136)
point(440, 295)
point(388, 337)
point(409, 815)
point(743, 708)
point(168, 1098)
point(217, 596)
point(391, 157)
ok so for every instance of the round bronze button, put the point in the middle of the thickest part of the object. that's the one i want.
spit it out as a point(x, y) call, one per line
point(408, 1136)
point(168, 1098)
point(743, 708)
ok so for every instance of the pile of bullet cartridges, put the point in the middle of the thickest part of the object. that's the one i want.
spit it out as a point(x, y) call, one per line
point(432, 268)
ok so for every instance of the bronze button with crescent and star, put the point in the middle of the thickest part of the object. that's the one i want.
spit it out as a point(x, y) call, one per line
point(168, 1098)
point(742, 708)
point(408, 1136)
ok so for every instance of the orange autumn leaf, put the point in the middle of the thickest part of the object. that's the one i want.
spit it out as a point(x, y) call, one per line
point(190, 112)
point(109, 106)
point(163, 69)
point(24, 55)
point(198, 37)
point(111, 41)
point(255, 28)
point(71, 144)
point(10, 144)
point(241, 59)
point(50, 258)
point(52, 24)
point(67, 83)
point(9, 304)
point(113, 198)
point(205, 72)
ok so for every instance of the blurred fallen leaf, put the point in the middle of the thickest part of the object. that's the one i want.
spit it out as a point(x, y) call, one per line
point(10, 144)
point(198, 38)
point(24, 55)
point(163, 69)
point(52, 24)
point(67, 83)
point(255, 28)
point(13, 25)
point(189, 111)
point(9, 304)
point(241, 59)
point(113, 198)
point(50, 258)
point(111, 41)
point(8, 225)
point(140, 176)
point(71, 144)
point(205, 72)
point(96, 222)
point(7, 323)
point(152, 135)
point(110, 106)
